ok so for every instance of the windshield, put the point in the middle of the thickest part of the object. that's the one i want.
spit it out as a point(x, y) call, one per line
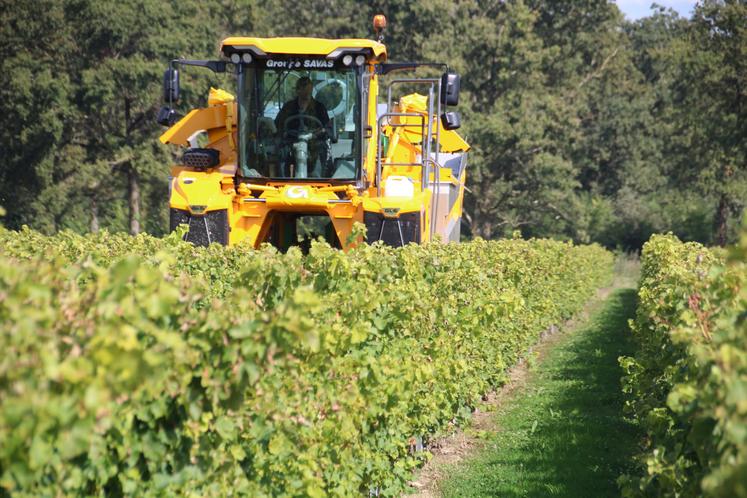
point(299, 123)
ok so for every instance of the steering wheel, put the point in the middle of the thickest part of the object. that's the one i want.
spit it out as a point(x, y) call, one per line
point(295, 134)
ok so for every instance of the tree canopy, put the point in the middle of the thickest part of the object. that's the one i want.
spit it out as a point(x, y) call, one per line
point(584, 126)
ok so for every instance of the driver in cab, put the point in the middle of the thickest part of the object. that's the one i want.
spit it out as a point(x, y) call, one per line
point(312, 114)
point(305, 104)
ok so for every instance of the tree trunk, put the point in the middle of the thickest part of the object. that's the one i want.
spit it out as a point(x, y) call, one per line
point(132, 178)
point(134, 200)
point(482, 221)
point(94, 215)
point(720, 223)
point(483, 226)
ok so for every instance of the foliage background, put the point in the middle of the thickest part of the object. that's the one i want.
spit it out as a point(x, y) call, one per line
point(585, 126)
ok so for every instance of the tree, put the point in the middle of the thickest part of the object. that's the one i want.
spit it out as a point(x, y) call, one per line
point(35, 105)
point(711, 108)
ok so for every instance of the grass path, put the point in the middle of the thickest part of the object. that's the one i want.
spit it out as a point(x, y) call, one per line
point(562, 433)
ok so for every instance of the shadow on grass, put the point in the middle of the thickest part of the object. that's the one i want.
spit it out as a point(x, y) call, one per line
point(564, 434)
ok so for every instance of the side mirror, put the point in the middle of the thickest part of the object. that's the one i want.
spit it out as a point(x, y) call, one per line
point(166, 116)
point(171, 85)
point(450, 89)
point(451, 120)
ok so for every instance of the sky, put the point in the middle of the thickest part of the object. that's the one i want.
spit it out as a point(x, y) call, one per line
point(635, 9)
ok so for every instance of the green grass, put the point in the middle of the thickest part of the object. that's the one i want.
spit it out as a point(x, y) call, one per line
point(563, 434)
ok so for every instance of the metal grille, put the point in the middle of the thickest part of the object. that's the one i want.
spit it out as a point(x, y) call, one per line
point(203, 229)
point(395, 232)
point(201, 158)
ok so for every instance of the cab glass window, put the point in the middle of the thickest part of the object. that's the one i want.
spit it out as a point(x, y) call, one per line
point(299, 122)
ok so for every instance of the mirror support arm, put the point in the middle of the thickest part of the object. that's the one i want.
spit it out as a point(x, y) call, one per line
point(215, 66)
point(388, 67)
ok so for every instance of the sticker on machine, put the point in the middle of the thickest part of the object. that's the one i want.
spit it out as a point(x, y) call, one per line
point(297, 192)
point(298, 64)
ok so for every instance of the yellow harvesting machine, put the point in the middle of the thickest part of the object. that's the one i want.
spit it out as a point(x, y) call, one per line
point(311, 141)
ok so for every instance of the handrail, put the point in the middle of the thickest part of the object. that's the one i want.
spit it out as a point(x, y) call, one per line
point(379, 147)
point(431, 81)
point(426, 147)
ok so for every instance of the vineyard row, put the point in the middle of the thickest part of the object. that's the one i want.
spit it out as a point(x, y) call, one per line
point(148, 367)
point(687, 384)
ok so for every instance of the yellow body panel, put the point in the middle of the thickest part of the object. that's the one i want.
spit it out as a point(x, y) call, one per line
point(201, 191)
point(302, 46)
point(253, 213)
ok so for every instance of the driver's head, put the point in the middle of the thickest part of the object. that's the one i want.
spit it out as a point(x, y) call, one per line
point(303, 87)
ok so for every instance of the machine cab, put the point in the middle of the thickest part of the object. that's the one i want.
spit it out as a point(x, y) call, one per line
point(301, 116)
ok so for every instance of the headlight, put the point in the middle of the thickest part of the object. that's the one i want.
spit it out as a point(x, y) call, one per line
point(247, 58)
point(359, 60)
point(347, 60)
point(235, 58)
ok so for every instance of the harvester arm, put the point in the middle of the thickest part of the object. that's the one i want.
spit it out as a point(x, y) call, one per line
point(207, 119)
